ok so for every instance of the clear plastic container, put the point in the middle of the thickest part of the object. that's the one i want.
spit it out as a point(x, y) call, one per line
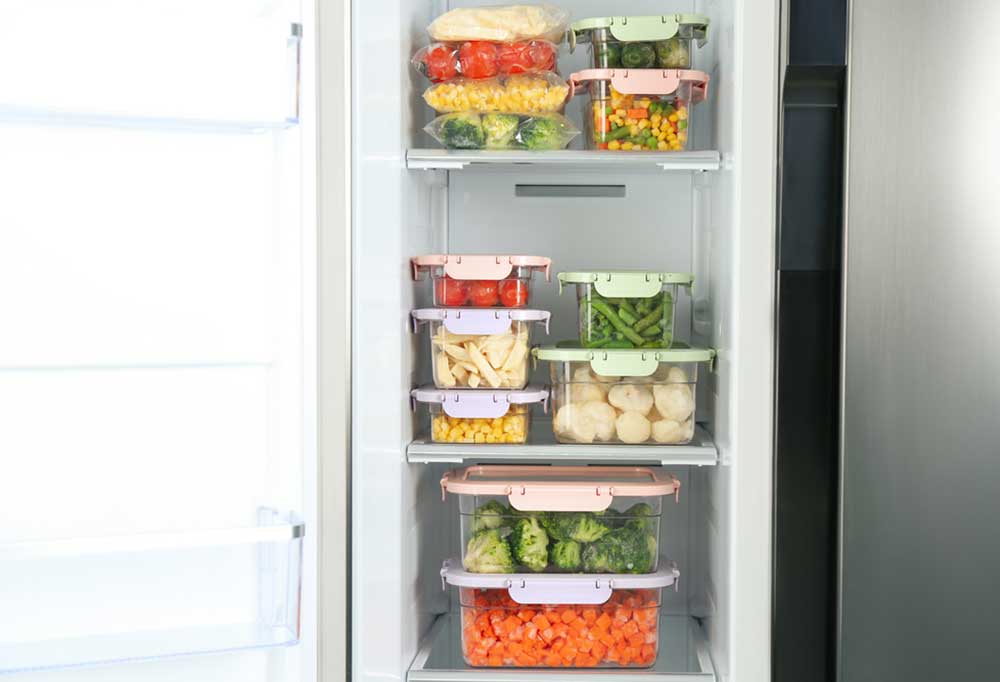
point(639, 109)
point(480, 281)
point(644, 42)
point(468, 416)
point(544, 92)
point(624, 396)
point(482, 59)
point(626, 309)
point(479, 348)
point(538, 621)
point(559, 519)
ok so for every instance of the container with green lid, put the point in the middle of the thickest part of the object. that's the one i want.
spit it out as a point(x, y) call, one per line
point(626, 309)
point(648, 42)
point(631, 396)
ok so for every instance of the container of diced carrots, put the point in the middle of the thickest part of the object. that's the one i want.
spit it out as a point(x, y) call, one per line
point(565, 621)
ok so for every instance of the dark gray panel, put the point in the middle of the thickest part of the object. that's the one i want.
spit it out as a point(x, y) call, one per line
point(921, 449)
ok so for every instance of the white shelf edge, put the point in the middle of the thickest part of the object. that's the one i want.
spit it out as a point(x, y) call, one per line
point(449, 159)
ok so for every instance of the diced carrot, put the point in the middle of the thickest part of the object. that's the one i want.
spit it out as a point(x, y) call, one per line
point(568, 652)
point(637, 640)
point(599, 650)
point(541, 622)
point(622, 614)
point(531, 632)
point(525, 615)
point(648, 651)
point(548, 634)
point(589, 616)
point(495, 661)
point(553, 659)
point(637, 113)
point(558, 644)
point(604, 622)
point(630, 628)
point(568, 616)
point(560, 629)
point(607, 639)
point(525, 660)
point(510, 624)
point(578, 625)
point(585, 645)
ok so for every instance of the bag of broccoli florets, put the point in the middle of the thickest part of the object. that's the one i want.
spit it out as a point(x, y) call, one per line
point(468, 130)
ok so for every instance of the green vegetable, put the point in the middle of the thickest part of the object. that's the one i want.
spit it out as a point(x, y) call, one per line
point(499, 130)
point(672, 54)
point(608, 55)
point(565, 555)
point(623, 550)
point(542, 132)
point(616, 321)
point(578, 526)
point(488, 516)
point(640, 517)
point(650, 318)
point(529, 543)
point(617, 133)
point(462, 131)
point(488, 552)
point(649, 332)
point(638, 56)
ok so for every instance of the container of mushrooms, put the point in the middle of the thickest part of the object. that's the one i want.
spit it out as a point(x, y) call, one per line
point(630, 396)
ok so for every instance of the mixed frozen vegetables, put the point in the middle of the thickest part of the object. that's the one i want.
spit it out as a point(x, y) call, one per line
point(487, 360)
point(481, 59)
point(638, 123)
point(626, 322)
point(529, 93)
point(502, 131)
point(506, 540)
point(504, 23)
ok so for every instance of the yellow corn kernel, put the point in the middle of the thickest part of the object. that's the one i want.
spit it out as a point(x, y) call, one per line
point(673, 118)
point(490, 438)
point(620, 113)
point(644, 103)
point(662, 136)
point(643, 124)
point(662, 146)
point(655, 119)
point(626, 146)
point(614, 144)
point(682, 114)
point(634, 129)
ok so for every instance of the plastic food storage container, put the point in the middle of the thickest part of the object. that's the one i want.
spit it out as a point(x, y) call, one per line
point(639, 109)
point(559, 519)
point(483, 59)
point(479, 348)
point(468, 416)
point(527, 93)
point(624, 396)
point(648, 42)
point(480, 281)
point(626, 309)
point(529, 621)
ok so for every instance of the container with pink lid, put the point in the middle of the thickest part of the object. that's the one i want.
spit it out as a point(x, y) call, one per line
point(480, 281)
point(477, 416)
point(640, 109)
point(560, 519)
point(479, 347)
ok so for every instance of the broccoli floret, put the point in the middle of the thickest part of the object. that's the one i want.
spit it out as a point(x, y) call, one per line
point(462, 131)
point(624, 550)
point(672, 53)
point(489, 515)
point(488, 552)
point(638, 56)
point(565, 555)
point(640, 516)
point(542, 132)
point(499, 130)
point(529, 543)
point(578, 526)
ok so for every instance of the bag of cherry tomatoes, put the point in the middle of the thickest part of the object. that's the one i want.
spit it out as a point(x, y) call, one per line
point(483, 59)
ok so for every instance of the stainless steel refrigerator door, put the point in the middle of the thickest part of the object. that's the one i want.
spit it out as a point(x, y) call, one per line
point(921, 401)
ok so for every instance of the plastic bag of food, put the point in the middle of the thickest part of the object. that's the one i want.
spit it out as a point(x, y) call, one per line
point(483, 59)
point(495, 130)
point(501, 23)
point(519, 94)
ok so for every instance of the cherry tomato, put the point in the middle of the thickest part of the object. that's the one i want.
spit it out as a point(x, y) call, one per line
point(483, 293)
point(543, 56)
point(478, 59)
point(514, 58)
point(514, 293)
point(450, 292)
point(440, 63)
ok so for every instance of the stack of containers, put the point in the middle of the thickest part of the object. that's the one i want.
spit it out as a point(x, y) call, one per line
point(641, 84)
point(493, 78)
point(533, 539)
point(480, 332)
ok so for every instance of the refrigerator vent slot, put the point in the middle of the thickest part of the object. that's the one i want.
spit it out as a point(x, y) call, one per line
point(571, 191)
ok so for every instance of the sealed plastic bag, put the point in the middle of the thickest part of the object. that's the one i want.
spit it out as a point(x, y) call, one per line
point(520, 94)
point(470, 130)
point(501, 23)
point(483, 59)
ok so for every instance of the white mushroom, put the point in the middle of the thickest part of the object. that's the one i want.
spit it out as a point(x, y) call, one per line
point(669, 431)
point(633, 427)
point(603, 416)
point(631, 398)
point(674, 401)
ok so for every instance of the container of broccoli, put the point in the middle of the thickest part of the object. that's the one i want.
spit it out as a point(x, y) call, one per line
point(498, 537)
point(536, 132)
point(641, 42)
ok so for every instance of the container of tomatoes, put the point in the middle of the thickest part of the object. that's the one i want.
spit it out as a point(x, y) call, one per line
point(477, 59)
point(480, 281)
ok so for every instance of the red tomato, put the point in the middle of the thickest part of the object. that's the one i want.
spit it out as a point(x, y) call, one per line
point(514, 293)
point(440, 63)
point(478, 59)
point(483, 293)
point(543, 56)
point(450, 292)
point(514, 58)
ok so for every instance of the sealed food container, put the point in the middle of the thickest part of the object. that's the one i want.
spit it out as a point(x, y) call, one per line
point(646, 42)
point(479, 348)
point(626, 309)
point(501, 23)
point(480, 281)
point(559, 519)
point(469, 130)
point(631, 396)
point(482, 59)
point(639, 109)
point(555, 621)
point(469, 416)
point(527, 93)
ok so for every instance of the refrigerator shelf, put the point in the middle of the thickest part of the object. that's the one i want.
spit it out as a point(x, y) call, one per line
point(564, 159)
point(683, 657)
point(543, 448)
point(150, 596)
